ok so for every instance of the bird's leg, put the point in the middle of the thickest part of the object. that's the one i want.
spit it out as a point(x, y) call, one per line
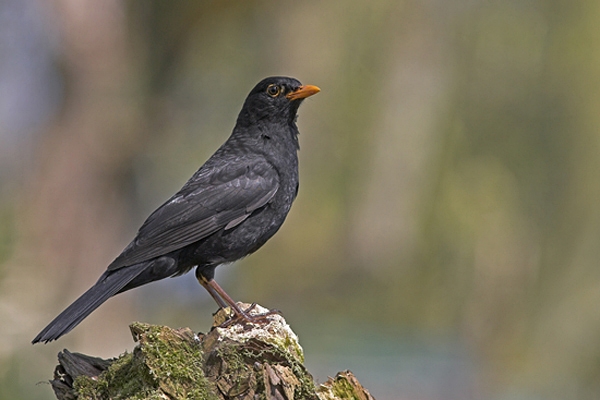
point(213, 285)
point(239, 314)
point(204, 282)
point(224, 300)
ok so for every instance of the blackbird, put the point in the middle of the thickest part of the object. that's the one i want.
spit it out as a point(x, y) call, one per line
point(228, 209)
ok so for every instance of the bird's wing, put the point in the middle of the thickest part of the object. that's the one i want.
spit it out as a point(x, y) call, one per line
point(213, 199)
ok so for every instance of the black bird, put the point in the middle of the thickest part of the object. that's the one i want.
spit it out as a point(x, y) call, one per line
point(228, 209)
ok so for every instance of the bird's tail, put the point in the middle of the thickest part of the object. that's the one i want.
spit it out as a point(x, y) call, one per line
point(109, 284)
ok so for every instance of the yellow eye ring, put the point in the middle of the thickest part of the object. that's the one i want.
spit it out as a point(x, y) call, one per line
point(273, 90)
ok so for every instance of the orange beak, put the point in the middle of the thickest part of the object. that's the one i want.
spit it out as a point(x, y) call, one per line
point(303, 92)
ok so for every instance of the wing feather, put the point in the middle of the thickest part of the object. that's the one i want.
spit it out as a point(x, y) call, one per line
point(210, 201)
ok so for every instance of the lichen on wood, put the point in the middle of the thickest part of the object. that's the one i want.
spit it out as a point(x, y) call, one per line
point(261, 360)
point(344, 386)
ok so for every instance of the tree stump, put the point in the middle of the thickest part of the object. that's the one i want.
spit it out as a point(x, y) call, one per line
point(242, 361)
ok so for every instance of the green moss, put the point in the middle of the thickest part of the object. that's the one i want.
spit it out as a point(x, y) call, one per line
point(344, 386)
point(126, 378)
point(166, 362)
point(174, 359)
point(342, 389)
point(287, 344)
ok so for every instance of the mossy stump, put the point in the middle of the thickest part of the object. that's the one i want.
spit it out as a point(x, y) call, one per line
point(240, 361)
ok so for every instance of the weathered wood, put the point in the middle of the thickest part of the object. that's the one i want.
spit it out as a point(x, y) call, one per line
point(244, 361)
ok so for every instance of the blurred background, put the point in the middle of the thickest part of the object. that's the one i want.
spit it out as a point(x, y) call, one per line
point(446, 238)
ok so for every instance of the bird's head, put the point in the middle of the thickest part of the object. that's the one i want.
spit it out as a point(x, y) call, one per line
point(275, 99)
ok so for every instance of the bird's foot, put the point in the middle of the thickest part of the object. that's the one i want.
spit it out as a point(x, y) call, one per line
point(246, 316)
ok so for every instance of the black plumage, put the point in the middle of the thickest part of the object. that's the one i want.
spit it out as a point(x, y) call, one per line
point(228, 209)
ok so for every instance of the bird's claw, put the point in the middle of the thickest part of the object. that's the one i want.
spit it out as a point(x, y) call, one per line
point(244, 317)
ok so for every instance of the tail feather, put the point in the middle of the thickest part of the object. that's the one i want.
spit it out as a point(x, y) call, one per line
point(109, 284)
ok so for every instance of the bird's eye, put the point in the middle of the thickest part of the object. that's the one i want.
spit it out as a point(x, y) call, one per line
point(273, 90)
